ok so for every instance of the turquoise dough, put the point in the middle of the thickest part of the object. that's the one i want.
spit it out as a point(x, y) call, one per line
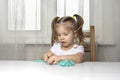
point(39, 60)
point(66, 63)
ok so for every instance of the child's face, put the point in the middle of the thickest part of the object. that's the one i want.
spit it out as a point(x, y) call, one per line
point(65, 36)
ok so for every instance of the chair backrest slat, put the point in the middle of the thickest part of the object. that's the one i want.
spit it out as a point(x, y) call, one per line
point(90, 47)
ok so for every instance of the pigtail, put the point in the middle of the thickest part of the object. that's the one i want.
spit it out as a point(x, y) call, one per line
point(78, 28)
point(53, 37)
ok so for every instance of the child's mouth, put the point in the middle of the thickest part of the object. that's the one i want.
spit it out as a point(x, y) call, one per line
point(62, 42)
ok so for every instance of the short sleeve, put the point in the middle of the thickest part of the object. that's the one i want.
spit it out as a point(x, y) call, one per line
point(54, 47)
point(80, 49)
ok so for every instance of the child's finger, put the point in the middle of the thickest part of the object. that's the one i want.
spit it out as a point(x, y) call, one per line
point(50, 61)
point(45, 58)
point(55, 62)
point(49, 55)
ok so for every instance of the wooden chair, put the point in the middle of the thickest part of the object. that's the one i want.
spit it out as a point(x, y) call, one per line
point(90, 46)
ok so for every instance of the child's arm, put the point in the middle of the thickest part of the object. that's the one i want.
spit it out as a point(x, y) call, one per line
point(47, 55)
point(77, 58)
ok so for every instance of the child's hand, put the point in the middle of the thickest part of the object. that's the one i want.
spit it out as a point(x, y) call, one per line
point(53, 59)
point(46, 57)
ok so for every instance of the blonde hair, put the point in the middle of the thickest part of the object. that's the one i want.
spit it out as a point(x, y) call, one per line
point(76, 25)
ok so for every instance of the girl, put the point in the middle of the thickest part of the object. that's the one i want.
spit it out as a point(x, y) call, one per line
point(67, 39)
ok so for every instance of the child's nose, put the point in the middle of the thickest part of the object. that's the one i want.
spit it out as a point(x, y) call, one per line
point(62, 37)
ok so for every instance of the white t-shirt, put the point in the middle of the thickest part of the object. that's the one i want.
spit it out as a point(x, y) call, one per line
point(56, 49)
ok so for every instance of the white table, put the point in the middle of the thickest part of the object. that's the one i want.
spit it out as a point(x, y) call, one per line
point(30, 70)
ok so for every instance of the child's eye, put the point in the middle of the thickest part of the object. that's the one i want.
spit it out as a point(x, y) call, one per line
point(66, 34)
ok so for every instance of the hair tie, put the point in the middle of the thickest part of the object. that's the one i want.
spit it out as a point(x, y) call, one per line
point(73, 17)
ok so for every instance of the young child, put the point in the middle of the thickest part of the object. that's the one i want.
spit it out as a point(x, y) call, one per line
point(67, 39)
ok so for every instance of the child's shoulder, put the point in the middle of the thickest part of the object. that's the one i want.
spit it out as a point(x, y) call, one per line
point(56, 44)
point(78, 46)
